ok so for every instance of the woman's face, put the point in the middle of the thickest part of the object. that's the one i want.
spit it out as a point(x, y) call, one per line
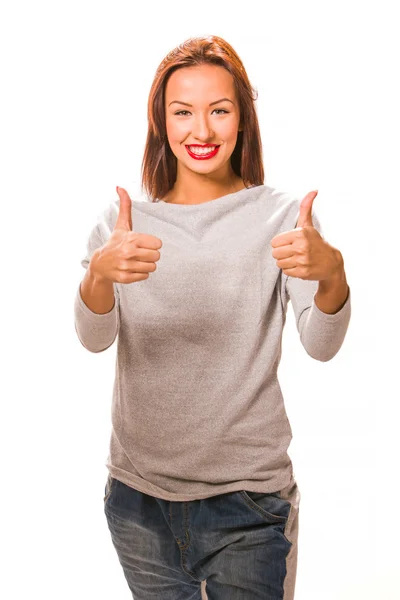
point(191, 120)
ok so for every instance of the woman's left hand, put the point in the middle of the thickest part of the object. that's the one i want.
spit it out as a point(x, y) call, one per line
point(302, 252)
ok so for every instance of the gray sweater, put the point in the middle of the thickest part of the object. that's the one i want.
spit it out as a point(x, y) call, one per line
point(197, 409)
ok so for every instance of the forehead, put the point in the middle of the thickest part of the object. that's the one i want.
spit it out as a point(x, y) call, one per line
point(209, 80)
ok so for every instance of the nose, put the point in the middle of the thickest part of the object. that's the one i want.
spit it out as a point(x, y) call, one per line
point(201, 130)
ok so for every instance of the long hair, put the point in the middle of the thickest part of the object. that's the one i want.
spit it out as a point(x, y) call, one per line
point(159, 164)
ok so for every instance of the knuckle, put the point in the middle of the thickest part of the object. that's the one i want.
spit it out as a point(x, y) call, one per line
point(122, 264)
point(302, 248)
point(123, 277)
point(126, 252)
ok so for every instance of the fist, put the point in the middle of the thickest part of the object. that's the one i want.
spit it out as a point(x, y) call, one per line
point(302, 252)
point(127, 256)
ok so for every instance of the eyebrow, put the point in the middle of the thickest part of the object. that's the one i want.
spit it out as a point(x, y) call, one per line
point(211, 103)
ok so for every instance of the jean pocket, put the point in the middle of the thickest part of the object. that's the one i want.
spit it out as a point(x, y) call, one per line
point(269, 505)
point(108, 488)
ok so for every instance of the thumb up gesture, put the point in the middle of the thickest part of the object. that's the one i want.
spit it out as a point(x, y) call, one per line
point(302, 252)
point(127, 256)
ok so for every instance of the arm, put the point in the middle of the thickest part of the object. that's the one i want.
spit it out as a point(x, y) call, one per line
point(97, 293)
point(96, 307)
point(332, 294)
point(322, 310)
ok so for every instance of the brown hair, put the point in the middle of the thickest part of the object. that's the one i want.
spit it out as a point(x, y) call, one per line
point(159, 164)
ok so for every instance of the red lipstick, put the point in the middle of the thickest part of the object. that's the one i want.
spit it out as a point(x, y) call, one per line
point(202, 156)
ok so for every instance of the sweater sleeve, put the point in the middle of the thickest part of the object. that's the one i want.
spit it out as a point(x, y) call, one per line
point(321, 334)
point(96, 332)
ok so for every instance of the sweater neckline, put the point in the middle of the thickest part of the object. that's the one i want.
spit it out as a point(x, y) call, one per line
point(202, 205)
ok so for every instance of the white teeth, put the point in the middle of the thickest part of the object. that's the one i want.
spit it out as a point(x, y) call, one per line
point(207, 150)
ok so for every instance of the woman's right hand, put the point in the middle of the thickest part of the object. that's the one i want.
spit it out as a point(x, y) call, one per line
point(127, 256)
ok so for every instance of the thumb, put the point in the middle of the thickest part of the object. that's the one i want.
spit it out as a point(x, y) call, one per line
point(305, 217)
point(124, 220)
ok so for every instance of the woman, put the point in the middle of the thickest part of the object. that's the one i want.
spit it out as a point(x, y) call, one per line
point(196, 282)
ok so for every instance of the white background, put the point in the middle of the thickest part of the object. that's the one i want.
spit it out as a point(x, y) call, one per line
point(75, 79)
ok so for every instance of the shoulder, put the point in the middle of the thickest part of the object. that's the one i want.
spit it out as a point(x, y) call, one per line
point(278, 202)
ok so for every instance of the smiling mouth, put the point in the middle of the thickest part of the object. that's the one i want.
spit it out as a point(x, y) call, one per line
point(202, 152)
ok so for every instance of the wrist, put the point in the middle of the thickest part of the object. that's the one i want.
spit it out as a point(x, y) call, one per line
point(93, 273)
point(338, 276)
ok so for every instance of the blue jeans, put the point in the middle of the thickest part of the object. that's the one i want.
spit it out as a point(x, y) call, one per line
point(236, 546)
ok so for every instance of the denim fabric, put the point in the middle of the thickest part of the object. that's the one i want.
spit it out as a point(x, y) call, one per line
point(236, 546)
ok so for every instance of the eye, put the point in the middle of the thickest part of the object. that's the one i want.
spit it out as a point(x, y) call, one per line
point(215, 109)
